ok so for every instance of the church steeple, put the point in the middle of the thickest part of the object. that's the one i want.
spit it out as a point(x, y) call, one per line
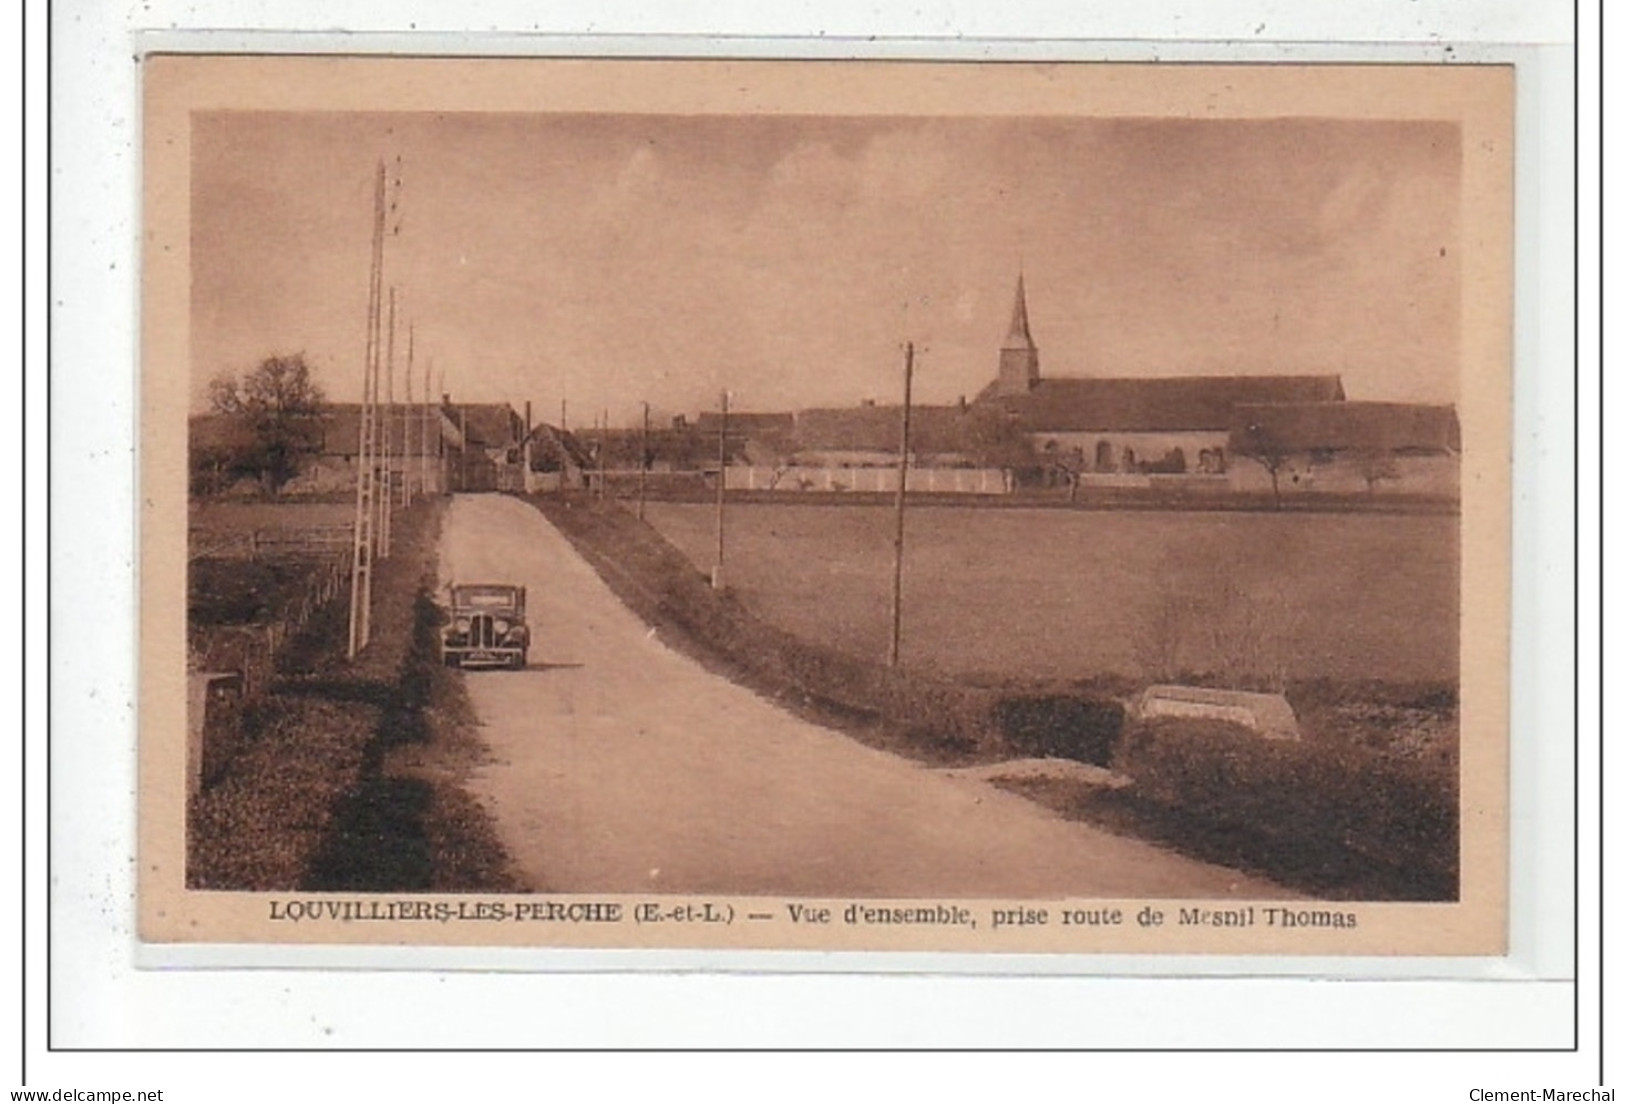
point(1018, 356)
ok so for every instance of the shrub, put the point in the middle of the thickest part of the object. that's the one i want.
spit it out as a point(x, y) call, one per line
point(1070, 726)
point(1307, 796)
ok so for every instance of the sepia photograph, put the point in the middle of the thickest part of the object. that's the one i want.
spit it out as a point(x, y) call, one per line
point(826, 505)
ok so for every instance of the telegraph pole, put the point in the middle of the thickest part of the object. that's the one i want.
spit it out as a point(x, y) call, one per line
point(902, 494)
point(365, 489)
point(722, 490)
point(406, 423)
point(643, 462)
point(386, 504)
point(428, 420)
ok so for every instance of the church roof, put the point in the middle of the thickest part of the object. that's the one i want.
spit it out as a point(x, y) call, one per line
point(1151, 405)
point(1019, 337)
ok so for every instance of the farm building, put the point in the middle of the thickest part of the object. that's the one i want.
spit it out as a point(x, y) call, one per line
point(413, 434)
point(871, 435)
point(756, 438)
point(1350, 446)
point(467, 446)
point(415, 437)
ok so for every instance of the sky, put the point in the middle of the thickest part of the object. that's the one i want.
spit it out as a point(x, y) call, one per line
point(610, 260)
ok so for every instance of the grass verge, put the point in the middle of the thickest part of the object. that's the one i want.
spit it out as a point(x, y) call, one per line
point(351, 773)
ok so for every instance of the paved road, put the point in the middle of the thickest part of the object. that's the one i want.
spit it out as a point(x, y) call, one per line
point(618, 765)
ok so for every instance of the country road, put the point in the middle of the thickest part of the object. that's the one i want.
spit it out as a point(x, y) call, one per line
point(617, 765)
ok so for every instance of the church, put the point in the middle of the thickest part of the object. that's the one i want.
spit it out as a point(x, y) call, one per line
point(1167, 425)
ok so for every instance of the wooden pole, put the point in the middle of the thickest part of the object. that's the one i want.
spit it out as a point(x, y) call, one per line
point(406, 423)
point(643, 462)
point(722, 490)
point(362, 537)
point(894, 652)
point(386, 502)
point(428, 424)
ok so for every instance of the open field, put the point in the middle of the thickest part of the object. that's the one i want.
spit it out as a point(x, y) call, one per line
point(226, 516)
point(1076, 595)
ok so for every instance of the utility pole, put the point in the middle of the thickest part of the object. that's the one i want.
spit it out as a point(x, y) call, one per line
point(386, 502)
point(603, 460)
point(406, 423)
point(426, 420)
point(893, 653)
point(643, 462)
point(722, 490)
point(362, 538)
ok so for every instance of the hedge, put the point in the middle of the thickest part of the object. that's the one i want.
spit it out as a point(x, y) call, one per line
point(1306, 795)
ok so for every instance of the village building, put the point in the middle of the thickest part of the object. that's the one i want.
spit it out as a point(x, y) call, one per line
point(438, 447)
point(415, 439)
point(554, 460)
point(484, 446)
point(415, 436)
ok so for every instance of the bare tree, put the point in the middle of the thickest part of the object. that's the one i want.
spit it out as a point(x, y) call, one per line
point(278, 406)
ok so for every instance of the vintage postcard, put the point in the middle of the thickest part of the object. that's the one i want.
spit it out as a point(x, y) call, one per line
point(824, 505)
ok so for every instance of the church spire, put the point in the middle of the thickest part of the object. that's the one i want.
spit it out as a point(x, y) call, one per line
point(1018, 356)
point(1019, 337)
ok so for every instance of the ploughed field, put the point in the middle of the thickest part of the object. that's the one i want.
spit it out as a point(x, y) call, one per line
point(1079, 594)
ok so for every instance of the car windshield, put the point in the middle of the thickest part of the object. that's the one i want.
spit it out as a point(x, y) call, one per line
point(483, 596)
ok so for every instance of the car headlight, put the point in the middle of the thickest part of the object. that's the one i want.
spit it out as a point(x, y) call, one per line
point(500, 625)
point(461, 625)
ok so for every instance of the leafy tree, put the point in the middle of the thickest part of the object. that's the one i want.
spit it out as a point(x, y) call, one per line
point(1376, 464)
point(992, 439)
point(278, 408)
point(1258, 442)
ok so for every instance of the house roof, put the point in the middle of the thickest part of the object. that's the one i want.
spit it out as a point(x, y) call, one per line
point(216, 431)
point(1149, 405)
point(879, 429)
point(548, 442)
point(492, 425)
point(341, 431)
point(1350, 426)
point(749, 424)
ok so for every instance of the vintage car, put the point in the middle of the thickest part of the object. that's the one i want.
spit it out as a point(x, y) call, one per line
point(487, 627)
